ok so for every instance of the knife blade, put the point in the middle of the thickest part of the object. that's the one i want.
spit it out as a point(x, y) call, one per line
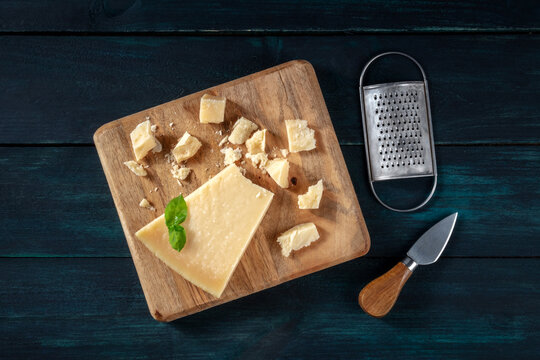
point(379, 296)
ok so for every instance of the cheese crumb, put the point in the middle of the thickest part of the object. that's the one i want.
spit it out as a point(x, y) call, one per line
point(312, 198)
point(231, 155)
point(241, 130)
point(171, 124)
point(135, 168)
point(300, 136)
point(212, 109)
point(298, 237)
point(158, 147)
point(146, 204)
point(169, 157)
point(187, 146)
point(223, 141)
point(180, 173)
point(153, 128)
point(278, 169)
point(258, 160)
point(257, 143)
point(284, 152)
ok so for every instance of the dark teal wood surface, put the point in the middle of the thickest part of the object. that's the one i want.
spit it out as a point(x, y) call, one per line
point(483, 88)
point(281, 16)
point(68, 287)
point(94, 308)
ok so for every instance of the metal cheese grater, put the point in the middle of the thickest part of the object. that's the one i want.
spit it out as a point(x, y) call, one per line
point(398, 134)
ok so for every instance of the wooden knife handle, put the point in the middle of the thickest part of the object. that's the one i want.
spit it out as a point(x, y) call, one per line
point(379, 296)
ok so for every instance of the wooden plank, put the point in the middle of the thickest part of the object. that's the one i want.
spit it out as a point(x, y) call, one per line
point(495, 189)
point(61, 89)
point(94, 308)
point(276, 16)
point(269, 97)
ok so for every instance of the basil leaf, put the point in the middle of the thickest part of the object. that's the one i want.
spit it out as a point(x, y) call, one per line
point(177, 237)
point(175, 212)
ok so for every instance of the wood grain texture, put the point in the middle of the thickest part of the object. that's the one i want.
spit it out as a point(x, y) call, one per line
point(287, 91)
point(379, 296)
point(241, 16)
point(60, 89)
point(93, 308)
point(75, 215)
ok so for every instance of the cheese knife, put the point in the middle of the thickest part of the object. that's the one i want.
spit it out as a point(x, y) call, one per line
point(379, 296)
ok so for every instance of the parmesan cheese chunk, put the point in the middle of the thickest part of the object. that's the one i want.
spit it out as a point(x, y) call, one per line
point(212, 109)
point(180, 173)
point(259, 160)
point(278, 169)
point(136, 168)
point(257, 142)
point(301, 138)
point(223, 215)
point(241, 130)
point(143, 140)
point(298, 237)
point(231, 155)
point(146, 204)
point(187, 146)
point(312, 198)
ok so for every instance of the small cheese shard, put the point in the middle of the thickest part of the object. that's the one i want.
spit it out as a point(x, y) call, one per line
point(241, 130)
point(143, 140)
point(223, 141)
point(223, 215)
point(301, 138)
point(180, 173)
point(146, 204)
point(231, 155)
point(259, 160)
point(136, 168)
point(298, 237)
point(278, 169)
point(284, 152)
point(312, 198)
point(257, 143)
point(187, 146)
point(212, 109)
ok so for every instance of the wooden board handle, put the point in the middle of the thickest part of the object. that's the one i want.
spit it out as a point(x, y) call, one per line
point(379, 296)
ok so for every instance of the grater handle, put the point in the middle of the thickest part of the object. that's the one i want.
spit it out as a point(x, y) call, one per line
point(361, 88)
point(426, 200)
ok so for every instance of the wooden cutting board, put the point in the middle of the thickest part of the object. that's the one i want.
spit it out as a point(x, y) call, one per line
point(287, 91)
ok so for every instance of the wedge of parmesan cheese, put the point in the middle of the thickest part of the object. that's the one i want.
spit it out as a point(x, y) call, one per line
point(187, 146)
point(298, 237)
point(278, 169)
point(257, 142)
point(143, 140)
point(300, 136)
point(136, 168)
point(241, 130)
point(212, 109)
point(312, 198)
point(223, 215)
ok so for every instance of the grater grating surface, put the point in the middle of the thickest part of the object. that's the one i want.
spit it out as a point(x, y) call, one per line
point(398, 134)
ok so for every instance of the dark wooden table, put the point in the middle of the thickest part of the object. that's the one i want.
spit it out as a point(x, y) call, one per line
point(68, 288)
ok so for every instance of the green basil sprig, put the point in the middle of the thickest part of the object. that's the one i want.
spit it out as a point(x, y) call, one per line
point(175, 214)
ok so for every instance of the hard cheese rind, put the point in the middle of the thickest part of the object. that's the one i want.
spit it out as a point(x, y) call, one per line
point(223, 215)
